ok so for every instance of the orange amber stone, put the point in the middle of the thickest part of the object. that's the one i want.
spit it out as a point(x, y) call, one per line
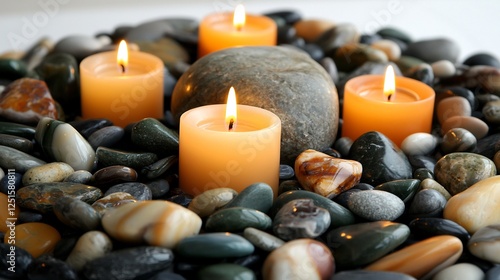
point(6, 213)
point(36, 238)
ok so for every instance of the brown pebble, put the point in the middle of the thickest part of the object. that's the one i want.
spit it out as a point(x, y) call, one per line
point(476, 126)
point(452, 106)
point(311, 29)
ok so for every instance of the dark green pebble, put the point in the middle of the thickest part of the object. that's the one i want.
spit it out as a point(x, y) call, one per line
point(258, 196)
point(226, 271)
point(16, 129)
point(214, 245)
point(19, 143)
point(236, 219)
point(109, 157)
point(404, 189)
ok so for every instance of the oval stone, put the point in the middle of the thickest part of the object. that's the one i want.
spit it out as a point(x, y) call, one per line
point(429, 227)
point(214, 245)
point(458, 171)
point(485, 243)
point(422, 259)
point(106, 136)
point(375, 205)
point(151, 221)
point(226, 271)
point(19, 143)
point(258, 196)
point(326, 175)
point(476, 126)
point(236, 219)
point(433, 50)
point(360, 244)
point(155, 137)
point(91, 245)
point(458, 140)
point(50, 172)
point(419, 143)
point(460, 271)
point(206, 203)
point(15, 159)
point(284, 81)
point(80, 176)
point(491, 112)
point(76, 213)
point(262, 239)
point(112, 200)
point(36, 238)
point(427, 203)
point(477, 206)
point(299, 259)
point(452, 106)
point(443, 68)
point(404, 189)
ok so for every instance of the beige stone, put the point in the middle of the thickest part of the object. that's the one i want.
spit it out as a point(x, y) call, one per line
point(311, 29)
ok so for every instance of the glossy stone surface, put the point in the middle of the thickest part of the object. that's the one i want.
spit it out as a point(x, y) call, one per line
point(19, 143)
point(460, 271)
point(340, 216)
point(76, 213)
point(36, 238)
point(429, 227)
point(106, 136)
point(422, 259)
point(214, 245)
point(112, 175)
point(262, 239)
point(61, 142)
point(433, 50)
point(130, 263)
point(485, 243)
point(236, 219)
point(360, 244)
point(419, 143)
point(427, 203)
point(300, 218)
point(91, 245)
point(112, 200)
point(158, 168)
point(458, 140)
point(453, 106)
point(476, 126)
point(151, 221)
point(80, 176)
point(209, 201)
point(259, 80)
point(27, 101)
point(155, 137)
point(299, 259)
point(43, 196)
point(17, 129)
point(258, 196)
point(109, 157)
point(15, 159)
point(382, 160)
point(404, 189)
point(375, 205)
point(50, 172)
point(458, 171)
point(326, 175)
point(226, 271)
point(138, 190)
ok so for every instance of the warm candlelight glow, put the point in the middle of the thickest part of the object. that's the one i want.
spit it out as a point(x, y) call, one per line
point(239, 17)
point(122, 57)
point(389, 83)
point(231, 109)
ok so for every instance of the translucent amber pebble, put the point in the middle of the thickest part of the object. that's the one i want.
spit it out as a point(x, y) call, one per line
point(36, 238)
point(6, 213)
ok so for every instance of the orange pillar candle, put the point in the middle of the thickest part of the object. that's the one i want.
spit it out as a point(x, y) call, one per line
point(223, 30)
point(232, 152)
point(122, 89)
point(406, 107)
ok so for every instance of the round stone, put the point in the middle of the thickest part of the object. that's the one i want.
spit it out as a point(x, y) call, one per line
point(36, 238)
point(476, 126)
point(458, 140)
point(390, 48)
point(453, 106)
point(443, 68)
point(310, 29)
point(91, 245)
point(258, 196)
point(376, 205)
point(76, 213)
point(206, 203)
point(460, 271)
point(491, 112)
point(282, 80)
point(50, 172)
point(419, 144)
point(427, 203)
point(262, 239)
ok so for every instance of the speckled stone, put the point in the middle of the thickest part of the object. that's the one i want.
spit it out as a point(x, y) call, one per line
point(326, 175)
point(43, 196)
point(458, 171)
point(422, 259)
point(477, 206)
point(155, 137)
point(299, 259)
point(50, 172)
point(158, 168)
point(91, 245)
point(151, 221)
point(130, 263)
point(376, 205)
point(209, 201)
point(360, 244)
point(80, 176)
point(258, 77)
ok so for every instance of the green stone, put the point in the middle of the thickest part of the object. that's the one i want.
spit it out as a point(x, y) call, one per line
point(422, 174)
point(352, 56)
point(12, 69)
point(258, 196)
point(61, 74)
point(392, 32)
point(226, 271)
point(110, 157)
point(155, 137)
point(19, 143)
point(214, 245)
point(282, 80)
point(404, 189)
point(340, 216)
point(406, 62)
point(42, 197)
point(16, 129)
point(11, 158)
point(159, 167)
point(360, 244)
point(458, 171)
point(236, 219)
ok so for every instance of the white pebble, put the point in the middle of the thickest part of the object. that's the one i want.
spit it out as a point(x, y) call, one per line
point(461, 271)
point(419, 144)
point(390, 48)
point(443, 69)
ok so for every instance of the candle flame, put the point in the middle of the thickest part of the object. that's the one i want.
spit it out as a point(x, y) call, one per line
point(231, 109)
point(122, 56)
point(239, 17)
point(389, 83)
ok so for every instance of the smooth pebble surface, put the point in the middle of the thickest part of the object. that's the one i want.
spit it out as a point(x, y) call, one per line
point(97, 201)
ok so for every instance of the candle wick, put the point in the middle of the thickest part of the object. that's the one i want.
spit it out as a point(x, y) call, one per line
point(231, 124)
point(239, 28)
point(123, 67)
point(389, 97)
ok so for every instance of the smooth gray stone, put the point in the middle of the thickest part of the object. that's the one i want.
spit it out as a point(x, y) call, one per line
point(76, 213)
point(11, 158)
point(149, 31)
point(19, 143)
point(79, 176)
point(284, 81)
point(370, 275)
point(106, 136)
point(130, 263)
point(80, 46)
point(159, 187)
point(434, 50)
point(138, 190)
point(493, 273)
point(427, 203)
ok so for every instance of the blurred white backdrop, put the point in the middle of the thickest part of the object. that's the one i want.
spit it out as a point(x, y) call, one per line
point(474, 25)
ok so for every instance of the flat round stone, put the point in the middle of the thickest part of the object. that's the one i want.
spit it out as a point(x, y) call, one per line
point(236, 219)
point(376, 205)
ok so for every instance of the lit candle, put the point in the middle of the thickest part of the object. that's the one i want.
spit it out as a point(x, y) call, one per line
point(228, 146)
point(122, 87)
point(223, 30)
point(395, 106)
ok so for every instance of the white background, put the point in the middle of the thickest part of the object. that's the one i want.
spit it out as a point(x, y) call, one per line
point(474, 25)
